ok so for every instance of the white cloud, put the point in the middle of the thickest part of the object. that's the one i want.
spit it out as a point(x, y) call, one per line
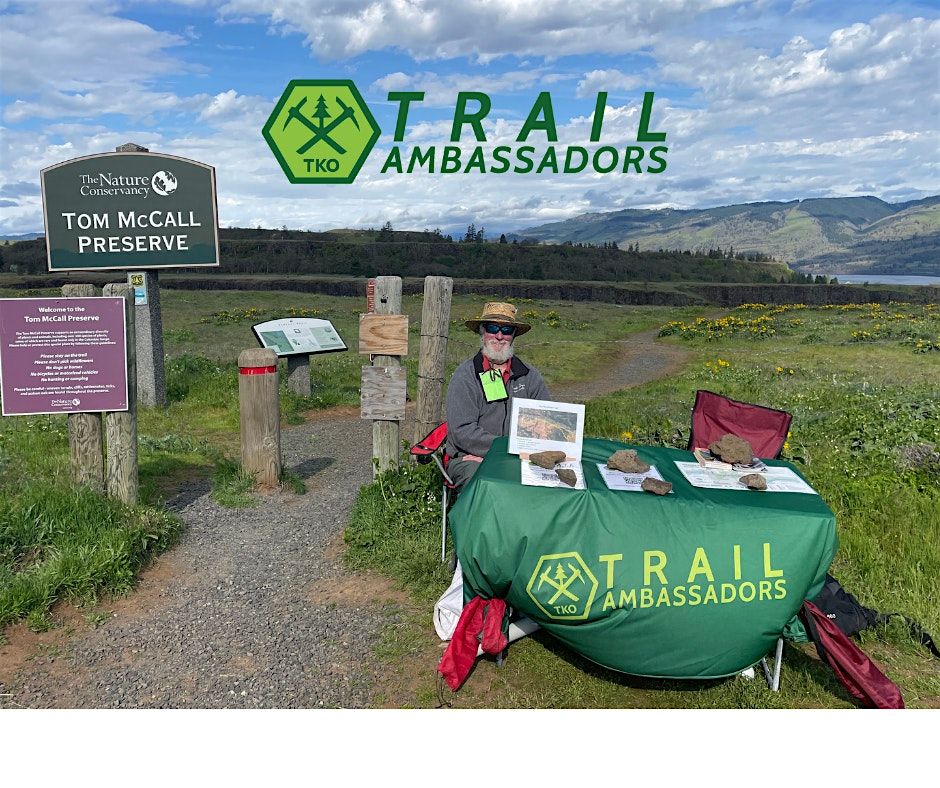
point(482, 29)
point(610, 80)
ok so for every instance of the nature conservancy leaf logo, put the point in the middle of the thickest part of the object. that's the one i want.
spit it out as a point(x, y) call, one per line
point(563, 587)
point(321, 131)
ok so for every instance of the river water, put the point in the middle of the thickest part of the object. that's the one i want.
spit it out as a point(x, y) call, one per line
point(883, 279)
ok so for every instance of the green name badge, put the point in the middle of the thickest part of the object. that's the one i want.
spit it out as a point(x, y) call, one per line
point(493, 387)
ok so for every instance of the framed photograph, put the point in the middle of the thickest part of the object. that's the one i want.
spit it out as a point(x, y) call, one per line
point(539, 425)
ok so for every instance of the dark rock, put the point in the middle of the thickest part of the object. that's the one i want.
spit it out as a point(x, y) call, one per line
point(754, 480)
point(917, 456)
point(568, 476)
point(656, 486)
point(627, 461)
point(731, 448)
point(547, 459)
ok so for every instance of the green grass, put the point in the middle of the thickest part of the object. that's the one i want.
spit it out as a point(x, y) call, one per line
point(858, 407)
point(61, 543)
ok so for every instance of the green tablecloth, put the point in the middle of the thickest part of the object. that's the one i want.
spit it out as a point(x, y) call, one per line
point(695, 584)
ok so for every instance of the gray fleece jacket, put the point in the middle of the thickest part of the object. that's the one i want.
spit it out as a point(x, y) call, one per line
point(472, 422)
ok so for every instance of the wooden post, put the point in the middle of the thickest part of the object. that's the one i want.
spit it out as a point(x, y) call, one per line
point(298, 375)
point(121, 426)
point(386, 434)
point(86, 450)
point(432, 360)
point(259, 415)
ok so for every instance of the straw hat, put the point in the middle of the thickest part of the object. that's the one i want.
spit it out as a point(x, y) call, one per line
point(498, 312)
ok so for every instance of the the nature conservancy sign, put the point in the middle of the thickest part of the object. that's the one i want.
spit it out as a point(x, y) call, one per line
point(130, 210)
point(321, 131)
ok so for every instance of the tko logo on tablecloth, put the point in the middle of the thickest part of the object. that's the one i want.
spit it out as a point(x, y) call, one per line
point(563, 587)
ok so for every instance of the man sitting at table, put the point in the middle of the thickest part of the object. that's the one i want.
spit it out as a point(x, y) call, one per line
point(480, 394)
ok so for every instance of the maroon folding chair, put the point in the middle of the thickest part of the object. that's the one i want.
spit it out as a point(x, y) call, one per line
point(714, 415)
point(431, 447)
point(766, 430)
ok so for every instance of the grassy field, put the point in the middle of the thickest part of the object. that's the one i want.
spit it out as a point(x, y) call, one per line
point(861, 384)
point(859, 381)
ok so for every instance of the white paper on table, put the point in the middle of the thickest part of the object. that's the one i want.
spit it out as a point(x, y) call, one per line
point(534, 476)
point(542, 425)
point(631, 482)
point(778, 479)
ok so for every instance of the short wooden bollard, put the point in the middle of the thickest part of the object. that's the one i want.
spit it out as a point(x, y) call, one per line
point(121, 426)
point(86, 448)
point(260, 415)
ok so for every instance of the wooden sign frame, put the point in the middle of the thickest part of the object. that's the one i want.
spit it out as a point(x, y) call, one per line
point(383, 335)
point(384, 390)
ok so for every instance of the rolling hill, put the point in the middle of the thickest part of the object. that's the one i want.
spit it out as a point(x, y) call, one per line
point(841, 235)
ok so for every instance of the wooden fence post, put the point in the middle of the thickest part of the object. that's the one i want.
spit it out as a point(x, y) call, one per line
point(435, 329)
point(86, 450)
point(259, 415)
point(386, 434)
point(121, 426)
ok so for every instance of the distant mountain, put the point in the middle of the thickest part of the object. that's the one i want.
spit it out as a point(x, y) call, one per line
point(841, 235)
point(21, 237)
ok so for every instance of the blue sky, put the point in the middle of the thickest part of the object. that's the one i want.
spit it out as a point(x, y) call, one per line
point(760, 100)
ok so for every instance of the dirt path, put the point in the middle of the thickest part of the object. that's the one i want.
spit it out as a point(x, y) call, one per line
point(253, 608)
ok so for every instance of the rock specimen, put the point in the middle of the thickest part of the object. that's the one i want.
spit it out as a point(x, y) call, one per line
point(627, 461)
point(731, 448)
point(547, 459)
point(568, 476)
point(656, 486)
point(754, 480)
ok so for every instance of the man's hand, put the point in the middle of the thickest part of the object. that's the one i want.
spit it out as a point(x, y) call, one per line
point(472, 458)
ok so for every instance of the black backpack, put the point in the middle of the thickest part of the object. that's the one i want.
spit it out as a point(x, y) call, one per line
point(847, 613)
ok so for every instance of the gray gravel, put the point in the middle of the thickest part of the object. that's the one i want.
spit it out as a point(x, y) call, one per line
point(239, 613)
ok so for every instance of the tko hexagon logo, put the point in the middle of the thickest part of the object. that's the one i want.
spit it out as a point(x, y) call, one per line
point(321, 131)
point(563, 587)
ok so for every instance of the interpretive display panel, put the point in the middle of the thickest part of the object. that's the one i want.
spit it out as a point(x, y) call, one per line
point(62, 355)
point(294, 336)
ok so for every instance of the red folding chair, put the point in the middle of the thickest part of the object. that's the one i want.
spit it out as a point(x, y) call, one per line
point(431, 447)
point(765, 429)
point(714, 415)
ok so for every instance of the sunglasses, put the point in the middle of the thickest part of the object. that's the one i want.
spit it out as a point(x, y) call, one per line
point(494, 328)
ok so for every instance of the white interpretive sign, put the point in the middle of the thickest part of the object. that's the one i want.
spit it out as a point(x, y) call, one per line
point(294, 336)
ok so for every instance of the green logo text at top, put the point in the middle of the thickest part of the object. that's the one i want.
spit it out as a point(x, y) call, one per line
point(321, 131)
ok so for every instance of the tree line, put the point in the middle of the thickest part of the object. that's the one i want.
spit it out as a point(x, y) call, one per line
point(367, 253)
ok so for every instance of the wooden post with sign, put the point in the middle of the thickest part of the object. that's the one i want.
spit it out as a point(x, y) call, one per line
point(259, 415)
point(86, 450)
point(432, 360)
point(121, 426)
point(384, 336)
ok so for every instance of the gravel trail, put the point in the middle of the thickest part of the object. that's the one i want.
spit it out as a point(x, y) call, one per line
point(253, 607)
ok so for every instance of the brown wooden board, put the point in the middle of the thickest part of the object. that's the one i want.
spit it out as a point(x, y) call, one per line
point(385, 335)
point(383, 393)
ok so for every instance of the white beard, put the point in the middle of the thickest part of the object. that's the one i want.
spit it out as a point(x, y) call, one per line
point(494, 352)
